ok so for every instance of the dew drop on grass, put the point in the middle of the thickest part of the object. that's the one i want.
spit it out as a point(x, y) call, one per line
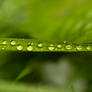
point(4, 42)
point(68, 47)
point(51, 47)
point(13, 43)
point(59, 46)
point(19, 47)
point(79, 48)
point(40, 45)
point(29, 48)
point(88, 47)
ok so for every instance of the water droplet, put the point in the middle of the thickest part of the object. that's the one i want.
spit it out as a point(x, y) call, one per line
point(88, 47)
point(13, 43)
point(4, 42)
point(20, 47)
point(79, 48)
point(59, 46)
point(51, 47)
point(40, 45)
point(68, 47)
point(30, 48)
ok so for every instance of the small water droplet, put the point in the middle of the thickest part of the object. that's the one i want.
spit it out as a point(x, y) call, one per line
point(13, 43)
point(88, 47)
point(30, 48)
point(4, 42)
point(59, 46)
point(51, 47)
point(40, 45)
point(20, 47)
point(68, 47)
point(79, 48)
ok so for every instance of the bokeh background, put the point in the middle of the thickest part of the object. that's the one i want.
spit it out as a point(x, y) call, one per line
point(47, 20)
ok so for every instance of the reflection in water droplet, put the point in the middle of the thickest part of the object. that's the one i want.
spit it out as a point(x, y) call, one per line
point(13, 43)
point(29, 48)
point(68, 47)
point(19, 47)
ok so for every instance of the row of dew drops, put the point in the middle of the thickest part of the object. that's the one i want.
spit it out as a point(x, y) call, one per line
point(50, 47)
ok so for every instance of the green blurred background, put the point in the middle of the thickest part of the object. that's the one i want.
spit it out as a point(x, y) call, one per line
point(47, 20)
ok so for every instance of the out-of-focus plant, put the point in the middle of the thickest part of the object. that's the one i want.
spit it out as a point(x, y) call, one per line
point(35, 34)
